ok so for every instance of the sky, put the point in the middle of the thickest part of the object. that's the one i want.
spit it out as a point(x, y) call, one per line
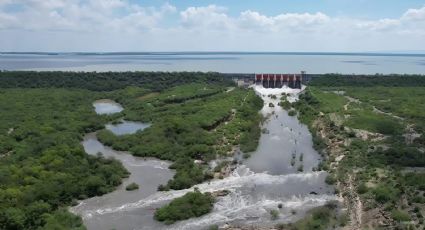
point(206, 25)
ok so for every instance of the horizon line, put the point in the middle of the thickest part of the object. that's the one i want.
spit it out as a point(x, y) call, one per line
point(363, 53)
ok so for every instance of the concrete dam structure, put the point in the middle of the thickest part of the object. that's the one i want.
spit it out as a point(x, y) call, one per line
point(279, 80)
point(294, 81)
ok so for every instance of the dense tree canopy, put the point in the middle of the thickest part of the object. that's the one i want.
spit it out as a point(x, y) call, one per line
point(334, 80)
point(106, 81)
point(42, 165)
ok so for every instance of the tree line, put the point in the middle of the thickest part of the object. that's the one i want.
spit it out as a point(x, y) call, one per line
point(106, 81)
point(339, 80)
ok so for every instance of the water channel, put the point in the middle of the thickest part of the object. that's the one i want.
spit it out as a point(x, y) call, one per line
point(258, 185)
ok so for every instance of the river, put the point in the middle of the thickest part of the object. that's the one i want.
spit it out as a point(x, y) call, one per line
point(258, 185)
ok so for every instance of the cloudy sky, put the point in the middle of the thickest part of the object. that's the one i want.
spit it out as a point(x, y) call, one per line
point(205, 25)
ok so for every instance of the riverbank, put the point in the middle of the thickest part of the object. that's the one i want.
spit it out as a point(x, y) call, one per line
point(369, 153)
point(148, 173)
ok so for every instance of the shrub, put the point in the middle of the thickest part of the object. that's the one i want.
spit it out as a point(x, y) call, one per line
point(300, 168)
point(132, 186)
point(274, 214)
point(399, 215)
point(362, 188)
point(385, 194)
point(330, 179)
point(292, 113)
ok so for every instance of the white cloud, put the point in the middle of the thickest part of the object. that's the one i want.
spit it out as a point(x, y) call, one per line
point(7, 20)
point(251, 19)
point(209, 17)
point(382, 24)
point(414, 14)
point(215, 17)
point(84, 15)
point(306, 19)
point(124, 25)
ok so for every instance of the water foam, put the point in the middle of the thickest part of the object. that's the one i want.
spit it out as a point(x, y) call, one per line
point(239, 207)
point(241, 177)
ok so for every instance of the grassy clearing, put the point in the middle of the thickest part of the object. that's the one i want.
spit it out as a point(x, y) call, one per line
point(329, 101)
point(406, 102)
point(148, 96)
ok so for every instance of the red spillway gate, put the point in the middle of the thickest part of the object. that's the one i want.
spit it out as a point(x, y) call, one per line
point(279, 80)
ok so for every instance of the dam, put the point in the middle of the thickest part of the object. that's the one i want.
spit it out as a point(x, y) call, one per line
point(272, 80)
point(279, 80)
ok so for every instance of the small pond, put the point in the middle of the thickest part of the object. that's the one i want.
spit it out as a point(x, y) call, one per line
point(106, 106)
point(126, 127)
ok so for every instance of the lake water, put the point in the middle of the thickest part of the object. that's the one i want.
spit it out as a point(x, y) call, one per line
point(317, 63)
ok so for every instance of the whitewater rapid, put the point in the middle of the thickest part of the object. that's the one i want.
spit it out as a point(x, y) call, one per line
point(252, 196)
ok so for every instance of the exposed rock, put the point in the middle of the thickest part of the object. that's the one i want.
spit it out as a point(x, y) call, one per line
point(366, 135)
point(10, 131)
point(199, 162)
point(220, 193)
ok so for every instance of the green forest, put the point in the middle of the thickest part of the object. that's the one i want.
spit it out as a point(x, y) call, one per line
point(43, 167)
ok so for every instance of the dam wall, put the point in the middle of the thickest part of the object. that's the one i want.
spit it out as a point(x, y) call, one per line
point(271, 80)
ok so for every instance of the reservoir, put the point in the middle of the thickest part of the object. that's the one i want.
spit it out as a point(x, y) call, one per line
point(230, 62)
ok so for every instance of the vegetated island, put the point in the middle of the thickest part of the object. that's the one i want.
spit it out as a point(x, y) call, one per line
point(192, 204)
point(132, 186)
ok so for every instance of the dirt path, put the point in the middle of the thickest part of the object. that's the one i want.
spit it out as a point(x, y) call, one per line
point(350, 100)
point(376, 110)
point(356, 205)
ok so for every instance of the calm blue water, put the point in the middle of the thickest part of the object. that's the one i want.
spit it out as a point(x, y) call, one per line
point(221, 62)
point(127, 127)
